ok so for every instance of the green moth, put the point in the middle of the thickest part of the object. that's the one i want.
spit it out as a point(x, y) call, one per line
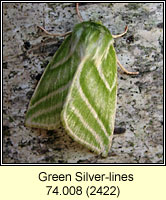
point(78, 88)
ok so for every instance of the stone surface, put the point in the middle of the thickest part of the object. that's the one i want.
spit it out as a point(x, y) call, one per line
point(26, 52)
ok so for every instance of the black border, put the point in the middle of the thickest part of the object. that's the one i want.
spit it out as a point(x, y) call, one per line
point(86, 164)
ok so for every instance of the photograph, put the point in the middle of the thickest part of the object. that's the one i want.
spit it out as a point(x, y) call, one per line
point(82, 83)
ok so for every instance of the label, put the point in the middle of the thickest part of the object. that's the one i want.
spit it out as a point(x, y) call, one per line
point(83, 182)
point(106, 183)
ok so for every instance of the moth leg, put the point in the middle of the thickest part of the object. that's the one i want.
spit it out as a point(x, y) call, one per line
point(120, 35)
point(54, 34)
point(78, 12)
point(125, 70)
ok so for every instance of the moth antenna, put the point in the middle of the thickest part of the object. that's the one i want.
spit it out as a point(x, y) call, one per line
point(120, 35)
point(54, 34)
point(78, 12)
point(125, 70)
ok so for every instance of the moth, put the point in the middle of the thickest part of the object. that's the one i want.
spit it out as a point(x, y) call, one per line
point(78, 88)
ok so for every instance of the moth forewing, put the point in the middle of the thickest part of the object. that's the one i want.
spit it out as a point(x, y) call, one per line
point(89, 110)
point(47, 101)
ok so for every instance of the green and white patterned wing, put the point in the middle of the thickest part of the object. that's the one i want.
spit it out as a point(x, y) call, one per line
point(80, 84)
point(48, 99)
point(89, 111)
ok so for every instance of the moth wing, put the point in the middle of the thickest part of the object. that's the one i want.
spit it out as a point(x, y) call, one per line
point(47, 101)
point(89, 111)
